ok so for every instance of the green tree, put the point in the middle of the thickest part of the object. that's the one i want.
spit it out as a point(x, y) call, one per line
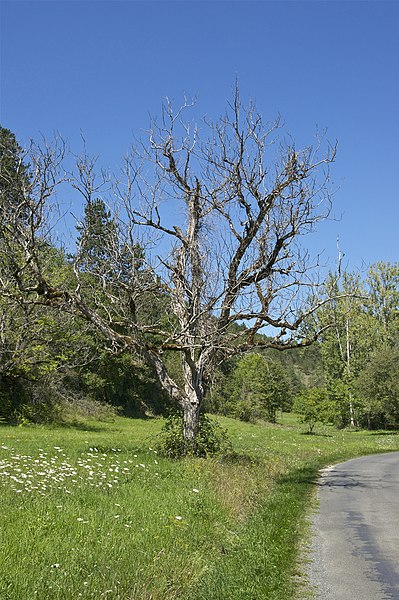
point(103, 264)
point(376, 379)
point(15, 182)
point(258, 388)
point(314, 406)
point(347, 341)
point(36, 344)
point(383, 305)
point(97, 238)
point(364, 322)
point(378, 386)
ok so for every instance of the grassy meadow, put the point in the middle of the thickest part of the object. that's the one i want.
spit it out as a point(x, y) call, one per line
point(93, 511)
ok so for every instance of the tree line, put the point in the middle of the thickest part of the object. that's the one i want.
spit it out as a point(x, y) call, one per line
point(348, 377)
point(175, 269)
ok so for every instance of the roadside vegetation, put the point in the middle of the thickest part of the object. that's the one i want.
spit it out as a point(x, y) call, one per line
point(94, 511)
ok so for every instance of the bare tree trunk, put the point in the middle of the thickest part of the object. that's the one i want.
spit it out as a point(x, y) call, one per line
point(348, 363)
point(351, 411)
point(191, 413)
point(193, 397)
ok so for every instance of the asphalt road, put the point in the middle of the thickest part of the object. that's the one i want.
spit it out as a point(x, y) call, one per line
point(355, 551)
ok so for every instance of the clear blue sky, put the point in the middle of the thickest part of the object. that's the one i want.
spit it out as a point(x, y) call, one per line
point(102, 67)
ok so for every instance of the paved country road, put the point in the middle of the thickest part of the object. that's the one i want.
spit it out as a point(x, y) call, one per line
point(355, 550)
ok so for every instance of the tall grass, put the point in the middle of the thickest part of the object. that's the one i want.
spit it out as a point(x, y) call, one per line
point(95, 512)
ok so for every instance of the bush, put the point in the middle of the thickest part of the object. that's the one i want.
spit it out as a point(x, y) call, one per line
point(24, 402)
point(46, 411)
point(75, 407)
point(211, 438)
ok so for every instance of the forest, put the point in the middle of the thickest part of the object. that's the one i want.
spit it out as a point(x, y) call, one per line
point(61, 358)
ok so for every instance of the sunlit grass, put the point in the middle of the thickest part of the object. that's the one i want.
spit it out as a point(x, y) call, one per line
point(95, 512)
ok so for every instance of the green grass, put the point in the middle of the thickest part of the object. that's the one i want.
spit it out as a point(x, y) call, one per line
point(94, 512)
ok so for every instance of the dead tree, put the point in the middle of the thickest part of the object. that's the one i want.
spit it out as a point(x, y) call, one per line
point(219, 213)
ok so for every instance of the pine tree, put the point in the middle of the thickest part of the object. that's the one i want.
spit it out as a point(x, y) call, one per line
point(97, 237)
point(14, 175)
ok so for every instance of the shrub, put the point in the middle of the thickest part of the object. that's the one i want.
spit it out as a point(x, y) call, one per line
point(54, 405)
point(211, 438)
point(75, 407)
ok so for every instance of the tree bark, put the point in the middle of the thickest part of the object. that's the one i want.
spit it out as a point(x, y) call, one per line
point(193, 397)
point(348, 363)
point(191, 413)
